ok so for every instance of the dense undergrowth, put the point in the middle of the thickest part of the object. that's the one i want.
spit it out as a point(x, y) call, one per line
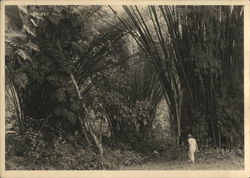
point(206, 159)
point(32, 151)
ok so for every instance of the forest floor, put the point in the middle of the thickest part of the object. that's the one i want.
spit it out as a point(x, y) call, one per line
point(64, 157)
point(182, 165)
point(160, 163)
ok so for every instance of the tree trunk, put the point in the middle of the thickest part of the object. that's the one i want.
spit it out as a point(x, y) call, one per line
point(100, 131)
point(213, 132)
point(87, 122)
point(219, 138)
point(15, 99)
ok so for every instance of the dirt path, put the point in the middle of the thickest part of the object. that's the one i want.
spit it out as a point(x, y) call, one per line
point(236, 164)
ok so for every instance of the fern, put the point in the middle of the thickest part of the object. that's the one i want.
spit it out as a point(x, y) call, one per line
point(29, 31)
point(38, 16)
point(11, 44)
point(23, 54)
point(32, 46)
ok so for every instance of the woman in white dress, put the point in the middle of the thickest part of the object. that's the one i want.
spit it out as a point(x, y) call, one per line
point(192, 148)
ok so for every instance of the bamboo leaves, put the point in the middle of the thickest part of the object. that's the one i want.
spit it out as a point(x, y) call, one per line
point(186, 49)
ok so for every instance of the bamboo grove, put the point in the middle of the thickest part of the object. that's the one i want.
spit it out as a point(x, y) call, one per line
point(196, 61)
point(69, 67)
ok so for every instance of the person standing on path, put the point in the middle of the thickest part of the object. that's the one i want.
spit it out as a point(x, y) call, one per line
point(192, 148)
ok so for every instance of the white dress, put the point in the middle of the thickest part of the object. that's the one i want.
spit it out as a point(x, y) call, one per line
point(192, 148)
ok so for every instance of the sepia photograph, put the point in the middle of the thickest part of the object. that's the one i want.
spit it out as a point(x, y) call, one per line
point(124, 87)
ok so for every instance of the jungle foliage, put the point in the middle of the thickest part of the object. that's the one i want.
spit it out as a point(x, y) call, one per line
point(89, 81)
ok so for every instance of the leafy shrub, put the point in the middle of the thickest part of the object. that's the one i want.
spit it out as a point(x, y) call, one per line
point(63, 156)
point(37, 153)
point(29, 144)
point(119, 158)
